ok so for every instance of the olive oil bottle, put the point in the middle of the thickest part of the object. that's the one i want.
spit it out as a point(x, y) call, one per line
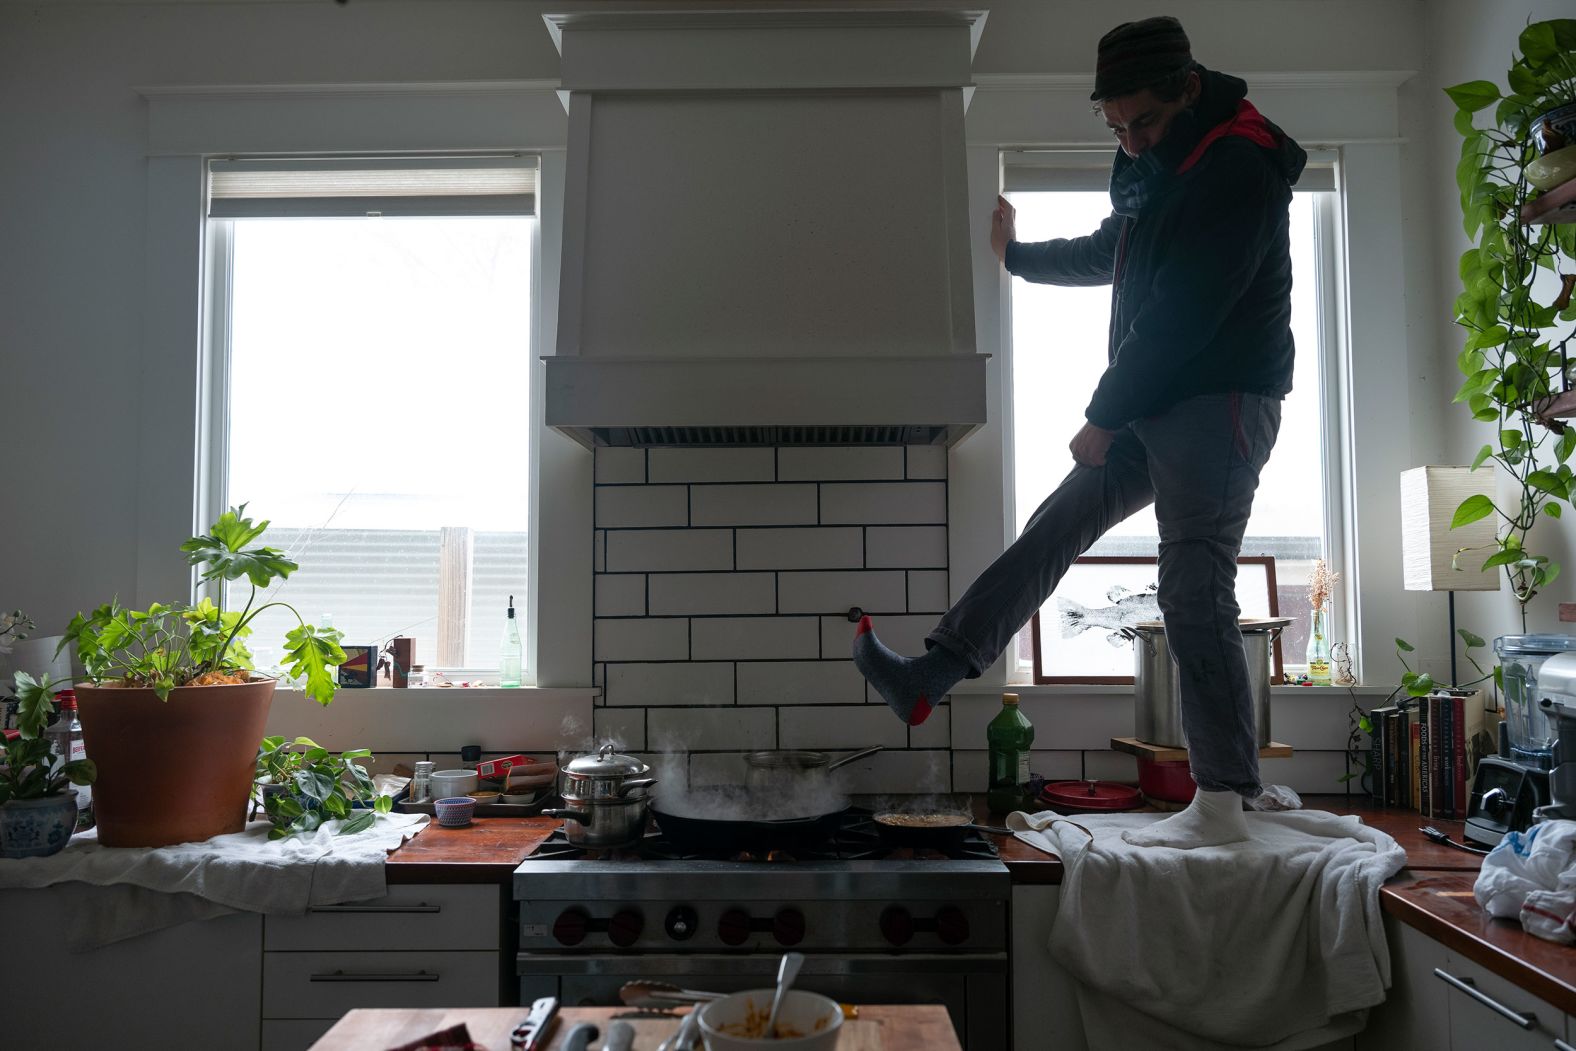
point(1008, 736)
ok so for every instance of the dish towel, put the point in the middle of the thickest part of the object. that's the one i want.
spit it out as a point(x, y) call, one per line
point(1531, 877)
point(121, 892)
point(1252, 944)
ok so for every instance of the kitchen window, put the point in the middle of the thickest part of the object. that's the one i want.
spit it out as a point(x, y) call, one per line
point(368, 389)
point(1059, 351)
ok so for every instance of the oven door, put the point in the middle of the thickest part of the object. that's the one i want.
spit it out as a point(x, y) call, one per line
point(973, 987)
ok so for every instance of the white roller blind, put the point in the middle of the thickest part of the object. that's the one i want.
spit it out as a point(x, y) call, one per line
point(1040, 170)
point(301, 187)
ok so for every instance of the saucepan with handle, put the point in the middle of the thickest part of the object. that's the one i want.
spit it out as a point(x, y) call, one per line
point(942, 825)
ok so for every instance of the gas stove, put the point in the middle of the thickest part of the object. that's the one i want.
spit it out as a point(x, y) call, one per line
point(876, 924)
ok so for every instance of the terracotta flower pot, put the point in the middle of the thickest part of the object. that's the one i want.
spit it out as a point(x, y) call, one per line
point(175, 771)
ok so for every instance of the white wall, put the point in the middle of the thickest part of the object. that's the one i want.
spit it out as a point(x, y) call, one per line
point(74, 214)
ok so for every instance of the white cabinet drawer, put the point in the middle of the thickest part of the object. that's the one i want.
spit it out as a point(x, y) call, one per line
point(1482, 1006)
point(327, 984)
point(294, 1035)
point(427, 916)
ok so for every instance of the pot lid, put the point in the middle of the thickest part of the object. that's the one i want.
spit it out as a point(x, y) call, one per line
point(1245, 623)
point(1091, 795)
point(605, 762)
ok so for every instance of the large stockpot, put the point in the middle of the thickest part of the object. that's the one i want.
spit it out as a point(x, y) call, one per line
point(1157, 693)
point(605, 799)
point(788, 770)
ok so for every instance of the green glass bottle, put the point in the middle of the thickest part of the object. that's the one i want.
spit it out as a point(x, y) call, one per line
point(1008, 737)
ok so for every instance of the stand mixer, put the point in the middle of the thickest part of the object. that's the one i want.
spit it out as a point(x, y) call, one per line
point(1561, 710)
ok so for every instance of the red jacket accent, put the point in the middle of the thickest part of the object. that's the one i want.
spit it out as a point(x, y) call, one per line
point(1246, 122)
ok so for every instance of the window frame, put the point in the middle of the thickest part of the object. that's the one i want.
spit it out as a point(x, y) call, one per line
point(1069, 171)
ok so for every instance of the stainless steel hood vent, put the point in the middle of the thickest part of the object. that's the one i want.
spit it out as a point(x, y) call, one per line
point(766, 233)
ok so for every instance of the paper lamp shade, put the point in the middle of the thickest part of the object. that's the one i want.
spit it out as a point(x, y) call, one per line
point(1429, 498)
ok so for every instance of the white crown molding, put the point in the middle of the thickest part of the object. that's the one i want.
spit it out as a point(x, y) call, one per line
point(1324, 78)
point(342, 91)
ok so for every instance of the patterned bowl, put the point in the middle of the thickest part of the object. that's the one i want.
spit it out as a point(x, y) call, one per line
point(36, 828)
point(455, 811)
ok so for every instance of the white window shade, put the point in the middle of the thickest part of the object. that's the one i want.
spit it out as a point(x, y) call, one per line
point(1071, 170)
point(298, 187)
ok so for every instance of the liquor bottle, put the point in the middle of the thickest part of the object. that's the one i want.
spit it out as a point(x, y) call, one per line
point(1008, 737)
point(509, 660)
point(66, 741)
point(1318, 651)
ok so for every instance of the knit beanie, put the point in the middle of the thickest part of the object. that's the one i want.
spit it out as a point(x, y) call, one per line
point(1135, 55)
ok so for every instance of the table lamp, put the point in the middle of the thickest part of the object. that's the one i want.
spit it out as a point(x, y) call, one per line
point(1429, 498)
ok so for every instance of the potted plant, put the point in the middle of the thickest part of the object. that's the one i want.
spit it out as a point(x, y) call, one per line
point(38, 807)
point(304, 784)
point(172, 710)
point(1516, 358)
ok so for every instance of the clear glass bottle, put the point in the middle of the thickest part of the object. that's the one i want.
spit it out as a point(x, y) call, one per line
point(416, 677)
point(509, 658)
point(1008, 737)
point(421, 783)
point(65, 740)
point(1318, 650)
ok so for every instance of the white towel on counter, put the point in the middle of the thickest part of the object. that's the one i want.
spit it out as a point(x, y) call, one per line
point(121, 892)
point(1531, 877)
point(1252, 944)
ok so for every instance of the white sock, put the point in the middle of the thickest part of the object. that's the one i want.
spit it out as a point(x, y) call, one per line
point(1211, 820)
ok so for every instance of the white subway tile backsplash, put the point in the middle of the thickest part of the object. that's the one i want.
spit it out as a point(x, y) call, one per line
point(682, 682)
point(701, 594)
point(641, 506)
point(934, 732)
point(625, 727)
point(927, 461)
point(878, 503)
point(904, 634)
point(812, 464)
point(906, 547)
point(746, 505)
point(641, 639)
point(620, 465)
point(711, 768)
point(927, 591)
point(620, 594)
point(900, 773)
point(598, 551)
point(713, 465)
point(972, 768)
point(711, 729)
point(755, 638)
point(1079, 721)
point(840, 547)
point(878, 591)
point(800, 682)
point(1109, 766)
point(666, 550)
point(840, 729)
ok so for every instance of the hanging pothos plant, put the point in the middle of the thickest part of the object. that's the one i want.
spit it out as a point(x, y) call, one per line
point(1516, 302)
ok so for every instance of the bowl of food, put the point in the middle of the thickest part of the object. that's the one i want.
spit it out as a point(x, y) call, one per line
point(807, 1022)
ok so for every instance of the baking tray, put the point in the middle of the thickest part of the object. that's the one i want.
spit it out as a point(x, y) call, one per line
point(543, 801)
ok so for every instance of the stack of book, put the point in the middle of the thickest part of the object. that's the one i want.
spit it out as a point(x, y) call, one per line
point(1424, 751)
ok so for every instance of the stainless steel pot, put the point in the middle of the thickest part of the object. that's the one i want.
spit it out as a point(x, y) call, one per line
point(605, 798)
point(787, 770)
point(1157, 693)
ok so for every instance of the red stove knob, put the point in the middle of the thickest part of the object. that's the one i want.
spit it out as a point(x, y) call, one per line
point(788, 926)
point(625, 927)
point(681, 923)
point(897, 925)
point(952, 926)
point(571, 926)
point(733, 927)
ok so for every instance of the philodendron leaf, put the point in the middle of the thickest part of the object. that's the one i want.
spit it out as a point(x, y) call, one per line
point(309, 652)
point(1483, 454)
point(1473, 641)
point(34, 704)
point(360, 823)
point(1471, 509)
point(1403, 646)
point(1552, 509)
point(1474, 95)
point(224, 553)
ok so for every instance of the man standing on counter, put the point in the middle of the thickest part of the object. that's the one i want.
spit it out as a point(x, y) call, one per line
point(1197, 251)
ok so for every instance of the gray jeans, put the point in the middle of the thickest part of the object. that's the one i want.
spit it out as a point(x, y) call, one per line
point(1198, 463)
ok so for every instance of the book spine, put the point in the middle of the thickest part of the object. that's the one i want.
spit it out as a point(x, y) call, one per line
point(1392, 730)
point(1376, 756)
point(1458, 716)
point(1425, 766)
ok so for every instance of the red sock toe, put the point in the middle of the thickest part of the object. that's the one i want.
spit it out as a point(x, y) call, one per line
point(920, 713)
point(864, 626)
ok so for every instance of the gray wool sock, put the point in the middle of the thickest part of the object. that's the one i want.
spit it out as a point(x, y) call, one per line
point(911, 686)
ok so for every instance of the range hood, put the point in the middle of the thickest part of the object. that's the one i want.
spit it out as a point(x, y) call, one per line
point(766, 236)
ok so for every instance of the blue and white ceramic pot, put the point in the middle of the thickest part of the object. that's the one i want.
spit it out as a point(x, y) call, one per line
point(36, 828)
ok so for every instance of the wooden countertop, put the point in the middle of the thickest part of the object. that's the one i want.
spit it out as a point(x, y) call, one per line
point(881, 1027)
point(488, 850)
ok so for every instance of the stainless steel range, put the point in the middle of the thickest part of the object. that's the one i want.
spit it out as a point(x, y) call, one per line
point(876, 925)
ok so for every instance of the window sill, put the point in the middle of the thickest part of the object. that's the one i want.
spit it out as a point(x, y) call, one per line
point(1092, 689)
point(433, 693)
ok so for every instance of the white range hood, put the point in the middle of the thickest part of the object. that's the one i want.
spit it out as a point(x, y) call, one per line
point(766, 233)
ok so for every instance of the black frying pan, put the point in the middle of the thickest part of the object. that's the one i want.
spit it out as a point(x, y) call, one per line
point(947, 838)
point(692, 829)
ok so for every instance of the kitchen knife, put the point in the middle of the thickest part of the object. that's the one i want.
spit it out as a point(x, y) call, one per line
point(533, 1033)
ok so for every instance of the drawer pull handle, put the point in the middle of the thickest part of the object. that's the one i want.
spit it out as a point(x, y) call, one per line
point(374, 908)
point(350, 976)
point(1525, 1019)
point(1560, 1045)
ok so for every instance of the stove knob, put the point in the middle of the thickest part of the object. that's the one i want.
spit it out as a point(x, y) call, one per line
point(733, 927)
point(571, 926)
point(681, 923)
point(788, 927)
point(625, 927)
point(952, 926)
point(897, 926)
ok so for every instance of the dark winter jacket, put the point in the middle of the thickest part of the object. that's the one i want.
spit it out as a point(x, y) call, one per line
point(1197, 249)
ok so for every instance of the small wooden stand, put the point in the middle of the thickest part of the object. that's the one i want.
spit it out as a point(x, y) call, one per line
point(1161, 754)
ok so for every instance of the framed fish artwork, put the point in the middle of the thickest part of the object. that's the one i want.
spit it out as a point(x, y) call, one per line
point(1077, 634)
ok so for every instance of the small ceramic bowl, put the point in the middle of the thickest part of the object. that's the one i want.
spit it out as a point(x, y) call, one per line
point(816, 1018)
point(484, 798)
point(454, 782)
point(455, 811)
point(525, 795)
